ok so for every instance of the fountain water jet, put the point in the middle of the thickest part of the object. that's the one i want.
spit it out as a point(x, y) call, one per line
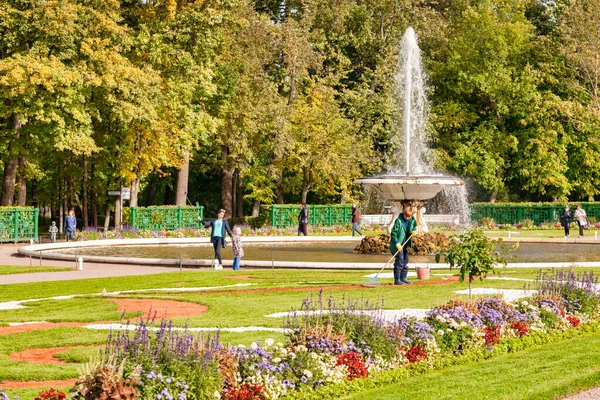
point(417, 182)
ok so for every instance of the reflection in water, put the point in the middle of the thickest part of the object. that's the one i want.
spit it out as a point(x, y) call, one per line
point(331, 252)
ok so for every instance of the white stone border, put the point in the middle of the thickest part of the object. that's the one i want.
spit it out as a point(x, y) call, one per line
point(34, 251)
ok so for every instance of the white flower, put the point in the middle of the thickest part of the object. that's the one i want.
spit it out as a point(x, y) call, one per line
point(292, 355)
point(254, 346)
point(276, 360)
point(463, 324)
point(241, 347)
point(314, 356)
point(525, 303)
point(279, 344)
point(301, 349)
point(283, 351)
point(216, 394)
point(440, 332)
point(449, 330)
point(307, 373)
point(269, 342)
point(440, 318)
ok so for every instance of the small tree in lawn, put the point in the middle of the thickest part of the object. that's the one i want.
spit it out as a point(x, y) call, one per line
point(475, 254)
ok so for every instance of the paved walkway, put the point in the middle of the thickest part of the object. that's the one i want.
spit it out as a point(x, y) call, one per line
point(9, 256)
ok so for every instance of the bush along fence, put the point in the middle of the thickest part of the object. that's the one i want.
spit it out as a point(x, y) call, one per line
point(328, 215)
point(164, 218)
point(335, 346)
point(538, 213)
point(18, 224)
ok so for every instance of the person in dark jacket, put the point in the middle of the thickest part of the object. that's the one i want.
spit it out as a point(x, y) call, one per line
point(355, 219)
point(565, 220)
point(219, 226)
point(303, 220)
point(400, 241)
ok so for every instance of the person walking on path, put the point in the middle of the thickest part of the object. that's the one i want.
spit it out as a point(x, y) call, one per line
point(236, 246)
point(581, 218)
point(355, 219)
point(401, 234)
point(53, 231)
point(303, 220)
point(565, 220)
point(219, 226)
point(70, 225)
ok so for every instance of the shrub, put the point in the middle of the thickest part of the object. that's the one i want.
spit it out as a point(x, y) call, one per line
point(577, 291)
point(100, 380)
point(475, 255)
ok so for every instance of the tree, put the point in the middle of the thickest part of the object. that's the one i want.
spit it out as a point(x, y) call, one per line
point(475, 255)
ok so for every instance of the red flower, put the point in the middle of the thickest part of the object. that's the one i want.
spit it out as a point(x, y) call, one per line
point(51, 395)
point(574, 321)
point(521, 329)
point(355, 364)
point(245, 392)
point(491, 335)
point(416, 354)
point(562, 312)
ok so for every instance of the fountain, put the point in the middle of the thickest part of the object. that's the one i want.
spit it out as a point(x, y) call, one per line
point(410, 178)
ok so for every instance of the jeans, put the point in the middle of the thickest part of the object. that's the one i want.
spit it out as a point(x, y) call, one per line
point(401, 266)
point(217, 242)
point(302, 229)
point(236, 263)
point(356, 229)
point(566, 230)
point(53, 237)
point(70, 235)
point(580, 228)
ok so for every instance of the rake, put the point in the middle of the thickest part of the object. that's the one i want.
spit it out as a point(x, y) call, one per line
point(374, 282)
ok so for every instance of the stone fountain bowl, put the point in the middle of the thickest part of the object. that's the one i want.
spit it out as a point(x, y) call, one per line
point(408, 187)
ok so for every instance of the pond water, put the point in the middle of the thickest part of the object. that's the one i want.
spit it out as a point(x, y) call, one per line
point(330, 252)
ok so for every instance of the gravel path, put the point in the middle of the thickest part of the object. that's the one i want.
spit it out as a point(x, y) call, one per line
point(591, 394)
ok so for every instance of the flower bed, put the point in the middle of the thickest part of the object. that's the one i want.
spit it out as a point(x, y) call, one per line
point(350, 346)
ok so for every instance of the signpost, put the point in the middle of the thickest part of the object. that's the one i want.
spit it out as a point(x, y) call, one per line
point(124, 194)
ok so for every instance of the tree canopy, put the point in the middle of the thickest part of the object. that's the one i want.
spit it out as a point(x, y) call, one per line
point(235, 103)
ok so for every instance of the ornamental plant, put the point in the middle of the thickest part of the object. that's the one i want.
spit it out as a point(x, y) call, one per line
point(51, 394)
point(475, 255)
point(577, 290)
point(355, 364)
point(245, 392)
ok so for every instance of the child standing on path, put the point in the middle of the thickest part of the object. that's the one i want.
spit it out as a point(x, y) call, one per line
point(236, 245)
point(53, 230)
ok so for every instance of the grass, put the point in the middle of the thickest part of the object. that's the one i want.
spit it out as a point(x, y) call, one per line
point(10, 270)
point(546, 372)
point(232, 307)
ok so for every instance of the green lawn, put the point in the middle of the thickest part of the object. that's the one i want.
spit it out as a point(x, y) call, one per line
point(544, 372)
point(233, 307)
point(9, 270)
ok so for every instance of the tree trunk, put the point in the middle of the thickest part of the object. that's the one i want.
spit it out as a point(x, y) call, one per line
point(493, 196)
point(279, 183)
point(135, 190)
point(61, 210)
point(151, 191)
point(10, 166)
point(226, 184)
point(84, 189)
point(182, 181)
point(22, 194)
point(239, 202)
point(118, 212)
point(470, 286)
point(107, 216)
point(255, 208)
point(307, 177)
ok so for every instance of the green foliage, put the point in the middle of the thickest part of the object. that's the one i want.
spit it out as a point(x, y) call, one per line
point(475, 255)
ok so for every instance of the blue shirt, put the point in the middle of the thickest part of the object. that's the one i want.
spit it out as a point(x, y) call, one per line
point(218, 228)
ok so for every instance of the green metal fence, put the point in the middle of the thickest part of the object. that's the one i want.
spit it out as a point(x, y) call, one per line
point(282, 216)
point(18, 224)
point(167, 218)
point(538, 213)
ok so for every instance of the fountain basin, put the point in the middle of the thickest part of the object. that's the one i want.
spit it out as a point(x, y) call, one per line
point(408, 187)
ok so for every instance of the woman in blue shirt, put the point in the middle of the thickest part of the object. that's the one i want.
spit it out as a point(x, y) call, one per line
point(219, 226)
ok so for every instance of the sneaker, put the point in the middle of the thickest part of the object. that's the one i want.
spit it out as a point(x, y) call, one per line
point(568, 236)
